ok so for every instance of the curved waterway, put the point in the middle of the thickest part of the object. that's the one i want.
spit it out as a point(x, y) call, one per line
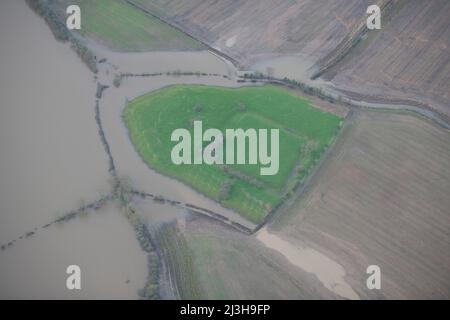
point(128, 162)
point(301, 67)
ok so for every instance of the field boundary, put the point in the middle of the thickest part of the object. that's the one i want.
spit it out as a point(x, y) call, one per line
point(177, 27)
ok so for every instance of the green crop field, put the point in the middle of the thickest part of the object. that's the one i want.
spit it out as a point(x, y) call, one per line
point(305, 132)
point(121, 26)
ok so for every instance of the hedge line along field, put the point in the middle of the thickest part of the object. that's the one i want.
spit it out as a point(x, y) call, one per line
point(305, 132)
point(121, 26)
point(381, 197)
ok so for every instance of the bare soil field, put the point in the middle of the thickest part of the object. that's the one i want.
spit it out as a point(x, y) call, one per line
point(409, 58)
point(381, 198)
point(245, 28)
point(407, 62)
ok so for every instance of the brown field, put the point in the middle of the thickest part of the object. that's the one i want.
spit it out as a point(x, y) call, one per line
point(264, 26)
point(407, 62)
point(408, 59)
point(207, 261)
point(381, 198)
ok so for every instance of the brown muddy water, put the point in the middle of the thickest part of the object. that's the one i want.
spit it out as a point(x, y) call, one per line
point(330, 273)
point(128, 162)
point(102, 244)
point(301, 67)
point(298, 67)
point(51, 160)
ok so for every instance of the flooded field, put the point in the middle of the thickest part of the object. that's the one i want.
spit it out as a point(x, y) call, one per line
point(299, 67)
point(201, 61)
point(302, 67)
point(52, 161)
point(102, 243)
point(51, 158)
point(127, 160)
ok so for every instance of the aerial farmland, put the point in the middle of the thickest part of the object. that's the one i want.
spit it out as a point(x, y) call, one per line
point(227, 150)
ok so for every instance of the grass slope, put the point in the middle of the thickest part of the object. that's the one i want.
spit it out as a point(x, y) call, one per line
point(120, 26)
point(305, 132)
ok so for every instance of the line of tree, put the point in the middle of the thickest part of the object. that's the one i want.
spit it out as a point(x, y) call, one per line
point(61, 33)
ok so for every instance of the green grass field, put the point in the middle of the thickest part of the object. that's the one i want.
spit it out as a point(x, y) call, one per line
point(305, 132)
point(121, 26)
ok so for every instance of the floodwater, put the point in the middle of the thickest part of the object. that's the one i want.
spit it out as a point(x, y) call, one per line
point(298, 67)
point(330, 273)
point(102, 244)
point(51, 157)
point(51, 160)
point(138, 62)
point(302, 67)
point(128, 162)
